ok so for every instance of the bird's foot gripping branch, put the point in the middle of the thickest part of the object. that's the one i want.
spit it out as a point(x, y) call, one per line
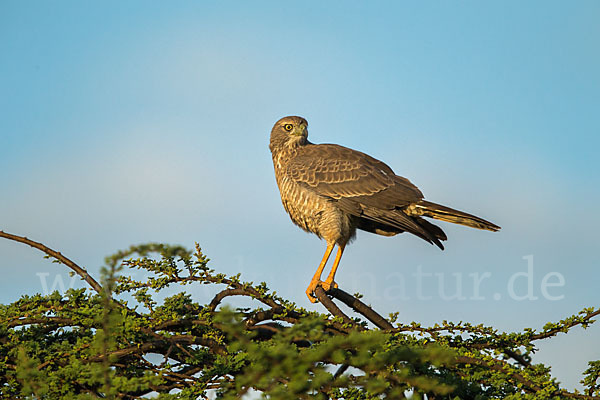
point(128, 337)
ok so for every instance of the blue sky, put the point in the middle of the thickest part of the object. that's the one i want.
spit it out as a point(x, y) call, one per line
point(123, 123)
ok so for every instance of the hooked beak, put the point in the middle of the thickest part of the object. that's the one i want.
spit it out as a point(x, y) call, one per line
point(300, 130)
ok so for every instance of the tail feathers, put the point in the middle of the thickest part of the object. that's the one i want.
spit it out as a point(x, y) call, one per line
point(443, 213)
point(435, 232)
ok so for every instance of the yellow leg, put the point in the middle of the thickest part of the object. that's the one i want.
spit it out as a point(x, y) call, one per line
point(329, 283)
point(316, 279)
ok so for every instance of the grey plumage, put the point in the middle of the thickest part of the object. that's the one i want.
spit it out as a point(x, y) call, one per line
point(331, 191)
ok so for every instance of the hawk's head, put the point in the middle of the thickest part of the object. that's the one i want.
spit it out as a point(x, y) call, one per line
point(288, 132)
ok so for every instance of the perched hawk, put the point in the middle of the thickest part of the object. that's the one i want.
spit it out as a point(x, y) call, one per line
point(331, 191)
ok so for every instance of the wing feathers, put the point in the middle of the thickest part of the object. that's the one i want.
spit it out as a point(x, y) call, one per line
point(339, 172)
point(369, 190)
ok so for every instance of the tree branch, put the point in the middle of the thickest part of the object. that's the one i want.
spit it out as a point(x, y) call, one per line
point(58, 256)
point(333, 309)
point(555, 331)
point(361, 308)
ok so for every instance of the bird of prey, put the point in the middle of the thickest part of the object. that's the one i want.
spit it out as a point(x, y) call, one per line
point(332, 191)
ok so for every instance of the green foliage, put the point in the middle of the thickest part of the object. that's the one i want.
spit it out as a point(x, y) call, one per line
point(129, 340)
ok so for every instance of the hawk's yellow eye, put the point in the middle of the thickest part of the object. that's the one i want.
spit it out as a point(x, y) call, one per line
point(288, 127)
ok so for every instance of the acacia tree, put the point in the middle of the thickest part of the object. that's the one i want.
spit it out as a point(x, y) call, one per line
point(122, 338)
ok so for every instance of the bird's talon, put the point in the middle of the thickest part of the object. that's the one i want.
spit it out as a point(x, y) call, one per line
point(327, 286)
point(311, 290)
